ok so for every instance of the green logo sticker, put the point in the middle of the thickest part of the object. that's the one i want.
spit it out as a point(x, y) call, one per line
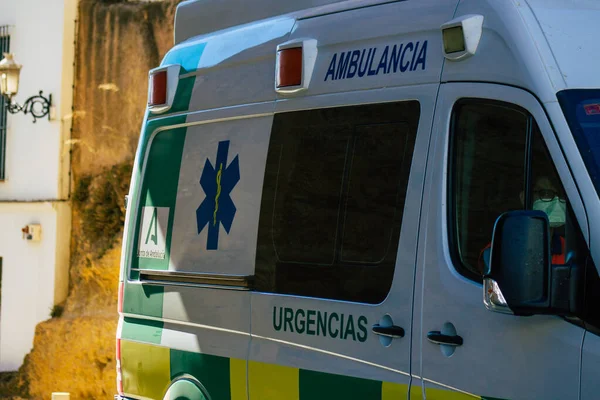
point(320, 323)
point(153, 232)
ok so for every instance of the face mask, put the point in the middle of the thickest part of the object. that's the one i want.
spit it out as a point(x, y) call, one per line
point(555, 209)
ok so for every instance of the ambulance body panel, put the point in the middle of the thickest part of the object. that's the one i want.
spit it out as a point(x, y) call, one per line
point(554, 57)
point(195, 18)
point(567, 27)
point(352, 355)
point(235, 66)
point(508, 52)
point(357, 56)
point(331, 237)
point(514, 352)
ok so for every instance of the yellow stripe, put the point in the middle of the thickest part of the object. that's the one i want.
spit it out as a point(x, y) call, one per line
point(146, 369)
point(237, 375)
point(273, 382)
point(393, 391)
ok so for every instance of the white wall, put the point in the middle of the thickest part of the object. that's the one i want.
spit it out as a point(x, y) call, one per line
point(36, 189)
point(33, 151)
point(27, 290)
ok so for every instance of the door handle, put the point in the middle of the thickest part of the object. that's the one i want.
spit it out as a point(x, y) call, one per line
point(438, 337)
point(393, 331)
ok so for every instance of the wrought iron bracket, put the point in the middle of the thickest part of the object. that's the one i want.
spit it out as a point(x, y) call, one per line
point(38, 106)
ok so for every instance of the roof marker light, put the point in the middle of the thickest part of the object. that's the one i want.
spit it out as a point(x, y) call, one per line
point(157, 91)
point(461, 36)
point(295, 64)
point(290, 67)
point(162, 85)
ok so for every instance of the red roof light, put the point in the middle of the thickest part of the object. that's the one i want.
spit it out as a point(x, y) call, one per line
point(290, 67)
point(157, 94)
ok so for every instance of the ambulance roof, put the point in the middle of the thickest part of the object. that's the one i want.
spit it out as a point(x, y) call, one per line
point(572, 30)
point(198, 17)
point(543, 46)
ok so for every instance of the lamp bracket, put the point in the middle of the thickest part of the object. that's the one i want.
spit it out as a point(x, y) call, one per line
point(38, 106)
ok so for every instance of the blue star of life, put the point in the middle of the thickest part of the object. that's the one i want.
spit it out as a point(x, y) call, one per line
point(217, 208)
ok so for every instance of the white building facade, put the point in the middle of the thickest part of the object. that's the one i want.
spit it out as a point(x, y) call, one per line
point(35, 164)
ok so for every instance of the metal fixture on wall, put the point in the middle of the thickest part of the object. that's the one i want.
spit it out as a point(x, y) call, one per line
point(38, 106)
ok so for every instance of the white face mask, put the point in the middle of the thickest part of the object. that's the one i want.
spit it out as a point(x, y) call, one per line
point(555, 209)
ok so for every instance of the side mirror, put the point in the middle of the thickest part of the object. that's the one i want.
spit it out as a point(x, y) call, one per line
point(520, 278)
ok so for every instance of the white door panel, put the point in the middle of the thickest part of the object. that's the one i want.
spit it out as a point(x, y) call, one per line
point(502, 356)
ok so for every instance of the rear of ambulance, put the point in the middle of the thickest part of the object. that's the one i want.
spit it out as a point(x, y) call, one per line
point(153, 182)
point(187, 258)
point(159, 100)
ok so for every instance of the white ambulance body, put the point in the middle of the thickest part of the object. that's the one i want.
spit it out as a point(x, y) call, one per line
point(367, 199)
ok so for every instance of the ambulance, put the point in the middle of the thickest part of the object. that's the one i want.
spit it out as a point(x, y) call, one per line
point(367, 199)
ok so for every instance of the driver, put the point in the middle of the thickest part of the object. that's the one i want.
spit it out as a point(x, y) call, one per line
point(546, 198)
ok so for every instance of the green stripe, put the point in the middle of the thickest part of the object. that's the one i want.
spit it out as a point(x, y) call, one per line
point(149, 300)
point(143, 300)
point(323, 386)
point(211, 371)
point(183, 95)
point(159, 189)
point(164, 160)
point(134, 226)
point(142, 330)
point(188, 58)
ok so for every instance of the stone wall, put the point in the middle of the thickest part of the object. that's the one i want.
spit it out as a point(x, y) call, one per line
point(117, 43)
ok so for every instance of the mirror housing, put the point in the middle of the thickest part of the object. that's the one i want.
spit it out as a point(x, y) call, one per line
point(520, 278)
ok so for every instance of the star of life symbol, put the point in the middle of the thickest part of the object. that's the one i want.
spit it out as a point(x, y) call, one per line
point(217, 208)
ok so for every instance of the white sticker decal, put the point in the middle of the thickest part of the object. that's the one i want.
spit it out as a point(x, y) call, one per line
point(153, 232)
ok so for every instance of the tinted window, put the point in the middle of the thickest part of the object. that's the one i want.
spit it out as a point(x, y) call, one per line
point(488, 171)
point(497, 148)
point(500, 163)
point(333, 199)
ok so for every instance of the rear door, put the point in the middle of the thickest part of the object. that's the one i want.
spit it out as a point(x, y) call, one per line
point(492, 143)
point(188, 301)
point(194, 215)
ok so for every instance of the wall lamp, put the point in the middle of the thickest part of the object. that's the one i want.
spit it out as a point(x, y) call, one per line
point(38, 106)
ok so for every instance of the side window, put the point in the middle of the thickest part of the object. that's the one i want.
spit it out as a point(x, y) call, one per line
point(487, 173)
point(333, 199)
point(499, 162)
